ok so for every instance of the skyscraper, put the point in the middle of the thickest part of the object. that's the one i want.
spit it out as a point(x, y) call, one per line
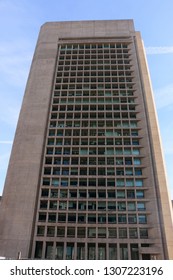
point(86, 178)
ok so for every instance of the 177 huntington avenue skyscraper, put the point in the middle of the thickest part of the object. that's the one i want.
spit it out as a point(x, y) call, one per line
point(86, 178)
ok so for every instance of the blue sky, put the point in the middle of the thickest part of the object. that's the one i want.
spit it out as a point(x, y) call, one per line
point(20, 21)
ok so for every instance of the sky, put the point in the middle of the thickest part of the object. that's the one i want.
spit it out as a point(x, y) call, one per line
point(20, 22)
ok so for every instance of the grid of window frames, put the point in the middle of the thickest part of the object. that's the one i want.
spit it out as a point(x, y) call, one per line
point(92, 201)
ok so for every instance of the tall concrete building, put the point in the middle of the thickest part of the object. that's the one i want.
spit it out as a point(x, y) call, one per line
point(86, 178)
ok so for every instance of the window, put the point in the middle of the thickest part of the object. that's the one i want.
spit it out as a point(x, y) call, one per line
point(70, 251)
point(38, 250)
point(46, 182)
point(59, 251)
point(130, 194)
point(137, 161)
point(91, 251)
point(62, 218)
point(122, 219)
point(44, 193)
point(101, 251)
point(134, 251)
point(72, 218)
point(120, 182)
point(132, 219)
point(111, 218)
point(123, 252)
point(50, 231)
point(49, 250)
point(131, 206)
point(141, 206)
point(55, 182)
point(143, 232)
point(112, 252)
point(81, 232)
point(122, 232)
point(129, 183)
point(91, 218)
point(142, 219)
point(80, 251)
point(40, 230)
point(133, 233)
point(140, 194)
point(53, 205)
point(101, 232)
point(70, 232)
point(101, 218)
point(121, 206)
point(60, 231)
point(138, 183)
point(42, 217)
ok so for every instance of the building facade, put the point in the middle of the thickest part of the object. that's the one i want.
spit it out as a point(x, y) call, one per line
point(86, 177)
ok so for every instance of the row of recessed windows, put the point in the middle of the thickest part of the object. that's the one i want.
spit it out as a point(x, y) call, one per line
point(95, 70)
point(92, 232)
point(70, 121)
point(93, 182)
point(94, 141)
point(117, 107)
point(93, 86)
point(84, 108)
point(89, 141)
point(89, 60)
point(94, 46)
point(92, 218)
point(91, 150)
point(95, 67)
point(94, 123)
point(101, 70)
point(86, 151)
point(71, 104)
point(106, 58)
point(107, 115)
point(93, 54)
point(81, 161)
point(104, 116)
point(73, 120)
point(92, 205)
point(94, 80)
point(107, 72)
point(84, 171)
point(75, 125)
point(119, 93)
point(61, 250)
point(90, 193)
point(94, 51)
point(121, 61)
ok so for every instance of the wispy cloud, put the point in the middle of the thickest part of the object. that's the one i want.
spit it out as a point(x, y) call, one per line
point(159, 50)
point(8, 142)
point(164, 97)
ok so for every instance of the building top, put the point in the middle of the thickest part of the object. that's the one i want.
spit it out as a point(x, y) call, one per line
point(86, 29)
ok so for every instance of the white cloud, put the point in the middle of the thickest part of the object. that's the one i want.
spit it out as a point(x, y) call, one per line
point(6, 142)
point(164, 97)
point(159, 50)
